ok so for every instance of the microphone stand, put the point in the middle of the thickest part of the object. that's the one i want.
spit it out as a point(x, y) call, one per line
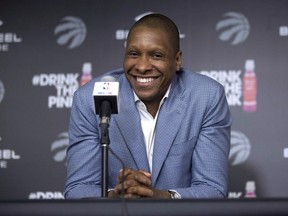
point(105, 141)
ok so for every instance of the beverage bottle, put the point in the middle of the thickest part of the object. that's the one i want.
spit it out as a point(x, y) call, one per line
point(249, 87)
point(250, 189)
point(86, 73)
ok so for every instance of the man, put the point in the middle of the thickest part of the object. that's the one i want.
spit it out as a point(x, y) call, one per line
point(172, 131)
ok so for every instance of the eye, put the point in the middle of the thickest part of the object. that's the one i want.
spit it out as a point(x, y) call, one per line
point(157, 55)
point(133, 54)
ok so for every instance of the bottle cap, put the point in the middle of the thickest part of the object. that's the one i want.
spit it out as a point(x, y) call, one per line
point(250, 64)
point(250, 186)
point(87, 67)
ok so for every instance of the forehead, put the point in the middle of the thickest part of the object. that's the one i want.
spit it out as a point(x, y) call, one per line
point(144, 34)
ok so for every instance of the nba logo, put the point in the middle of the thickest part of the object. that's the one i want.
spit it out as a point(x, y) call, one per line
point(106, 86)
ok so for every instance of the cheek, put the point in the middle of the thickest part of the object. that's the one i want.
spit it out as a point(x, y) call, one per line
point(168, 76)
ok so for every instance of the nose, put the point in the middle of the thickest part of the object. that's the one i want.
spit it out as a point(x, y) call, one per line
point(143, 64)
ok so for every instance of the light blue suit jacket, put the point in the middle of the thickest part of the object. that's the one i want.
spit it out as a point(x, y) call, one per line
point(191, 147)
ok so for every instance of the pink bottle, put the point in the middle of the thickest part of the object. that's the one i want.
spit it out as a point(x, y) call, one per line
point(86, 73)
point(250, 189)
point(249, 87)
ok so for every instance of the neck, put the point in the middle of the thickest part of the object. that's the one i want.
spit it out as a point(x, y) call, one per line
point(152, 107)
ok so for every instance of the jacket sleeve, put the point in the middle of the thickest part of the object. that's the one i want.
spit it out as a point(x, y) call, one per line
point(83, 153)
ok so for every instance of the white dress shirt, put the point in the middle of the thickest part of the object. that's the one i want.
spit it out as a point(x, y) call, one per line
point(148, 124)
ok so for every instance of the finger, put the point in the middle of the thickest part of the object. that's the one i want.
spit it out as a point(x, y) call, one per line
point(133, 178)
point(125, 185)
point(131, 196)
point(146, 173)
point(123, 173)
point(113, 194)
point(141, 191)
point(142, 178)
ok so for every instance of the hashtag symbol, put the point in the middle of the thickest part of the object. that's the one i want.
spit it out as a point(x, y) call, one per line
point(32, 196)
point(35, 80)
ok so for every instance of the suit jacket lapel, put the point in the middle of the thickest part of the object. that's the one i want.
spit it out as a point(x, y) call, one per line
point(128, 122)
point(169, 120)
point(172, 111)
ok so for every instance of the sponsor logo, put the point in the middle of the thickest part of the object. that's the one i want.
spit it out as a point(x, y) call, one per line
point(233, 27)
point(7, 39)
point(71, 32)
point(283, 31)
point(47, 195)
point(59, 147)
point(232, 83)
point(234, 195)
point(7, 155)
point(240, 87)
point(121, 34)
point(240, 148)
point(65, 85)
point(2, 92)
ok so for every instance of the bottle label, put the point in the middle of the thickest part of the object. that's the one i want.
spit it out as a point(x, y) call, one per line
point(249, 92)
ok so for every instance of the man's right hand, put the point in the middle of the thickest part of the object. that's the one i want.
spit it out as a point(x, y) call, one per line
point(136, 184)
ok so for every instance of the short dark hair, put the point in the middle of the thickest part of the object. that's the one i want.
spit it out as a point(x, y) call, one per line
point(161, 22)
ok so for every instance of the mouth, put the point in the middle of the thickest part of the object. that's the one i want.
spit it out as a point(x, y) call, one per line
point(145, 80)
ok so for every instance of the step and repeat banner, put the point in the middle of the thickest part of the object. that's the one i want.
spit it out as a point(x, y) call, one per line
point(48, 49)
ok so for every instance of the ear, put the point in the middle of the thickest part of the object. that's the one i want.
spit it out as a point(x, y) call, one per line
point(178, 60)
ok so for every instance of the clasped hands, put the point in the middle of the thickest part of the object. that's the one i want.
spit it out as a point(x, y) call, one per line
point(136, 184)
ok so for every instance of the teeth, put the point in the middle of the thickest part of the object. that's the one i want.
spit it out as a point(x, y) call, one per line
point(144, 80)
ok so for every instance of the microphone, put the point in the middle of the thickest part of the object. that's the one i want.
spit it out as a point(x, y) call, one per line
point(105, 95)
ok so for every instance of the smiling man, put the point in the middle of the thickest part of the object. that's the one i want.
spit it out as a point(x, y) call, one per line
point(152, 57)
point(172, 131)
